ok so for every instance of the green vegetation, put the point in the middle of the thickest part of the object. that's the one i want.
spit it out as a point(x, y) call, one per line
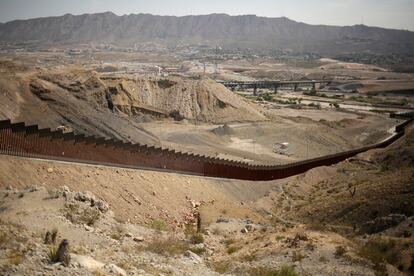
point(310, 93)
point(52, 254)
point(267, 97)
point(290, 101)
point(381, 100)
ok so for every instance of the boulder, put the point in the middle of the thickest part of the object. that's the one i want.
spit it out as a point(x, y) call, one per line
point(85, 196)
point(102, 206)
point(193, 256)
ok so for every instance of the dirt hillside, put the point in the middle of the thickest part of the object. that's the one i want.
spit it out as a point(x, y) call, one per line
point(113, 107)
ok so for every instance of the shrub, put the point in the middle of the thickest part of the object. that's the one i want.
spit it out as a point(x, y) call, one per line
point(90, 216)
point(379, 251)
point(15, 257)
point(228, 242)
point(197, 238)
point(264, 271)
point(248, 258)
point(232, 249)
point(198, 251)
point(339, 251)
point(310, 93)
point(267, 97)
point(297, 256)
point(221, 267)
point(159, 225)
point(117, 232)
point(167, 246)
point(52, 254)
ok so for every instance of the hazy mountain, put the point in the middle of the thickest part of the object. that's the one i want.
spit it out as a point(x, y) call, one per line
point(247, 31)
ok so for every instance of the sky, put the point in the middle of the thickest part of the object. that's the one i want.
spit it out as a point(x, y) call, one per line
point(396, 14)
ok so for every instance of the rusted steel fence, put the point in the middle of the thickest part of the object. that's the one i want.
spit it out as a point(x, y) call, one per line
point(29, 141)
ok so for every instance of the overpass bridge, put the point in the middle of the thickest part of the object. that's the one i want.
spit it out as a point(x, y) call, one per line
point(295, 84)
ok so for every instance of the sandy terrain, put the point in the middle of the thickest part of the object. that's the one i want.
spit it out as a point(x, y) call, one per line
point(353, 218)
point(289, 225)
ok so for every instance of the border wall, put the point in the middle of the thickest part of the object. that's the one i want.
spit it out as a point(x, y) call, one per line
point(29, 141)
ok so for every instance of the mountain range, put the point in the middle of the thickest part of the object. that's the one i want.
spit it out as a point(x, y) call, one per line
point(244, 31)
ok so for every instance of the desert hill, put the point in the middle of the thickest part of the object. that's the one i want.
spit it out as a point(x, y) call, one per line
point(114, 107)
point(246, 31)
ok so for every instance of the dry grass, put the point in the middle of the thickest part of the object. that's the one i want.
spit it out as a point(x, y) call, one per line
point(159, 225)
point(125, 265)
point(216, 231)
point(221, 267)
point(53, 193)
point(248, 257)
point(117, 232)
point(196, 238)
point(198, 251)
point(15, 257)
point(233, 249)
point(228, 242)
point(167, 246)
point(380, 251)
point(9, 240)
point(52, 254)
point(297, 256)
point(265, 271)
point(98, 272)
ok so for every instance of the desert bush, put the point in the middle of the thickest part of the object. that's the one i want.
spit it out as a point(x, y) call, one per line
point(159, 225)
point(15, 257)
point(339, 251)
point(310, 93)
point(196, 238)
point(265, 271)
point(221, 267)
point(248, 258)
point(228, 242)
point(323, 259)
point(89, 216)
point(232, 249)
point(53, 193)
point(167, 246)
point(117, 232)
point(267, 97)
point(297, 256)
point(52, 254)
point(216, 231)
point(198, 251)
point(380, 251)
point(98, 272)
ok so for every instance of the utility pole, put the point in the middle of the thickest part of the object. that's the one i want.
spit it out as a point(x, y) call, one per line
point(216, 69)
